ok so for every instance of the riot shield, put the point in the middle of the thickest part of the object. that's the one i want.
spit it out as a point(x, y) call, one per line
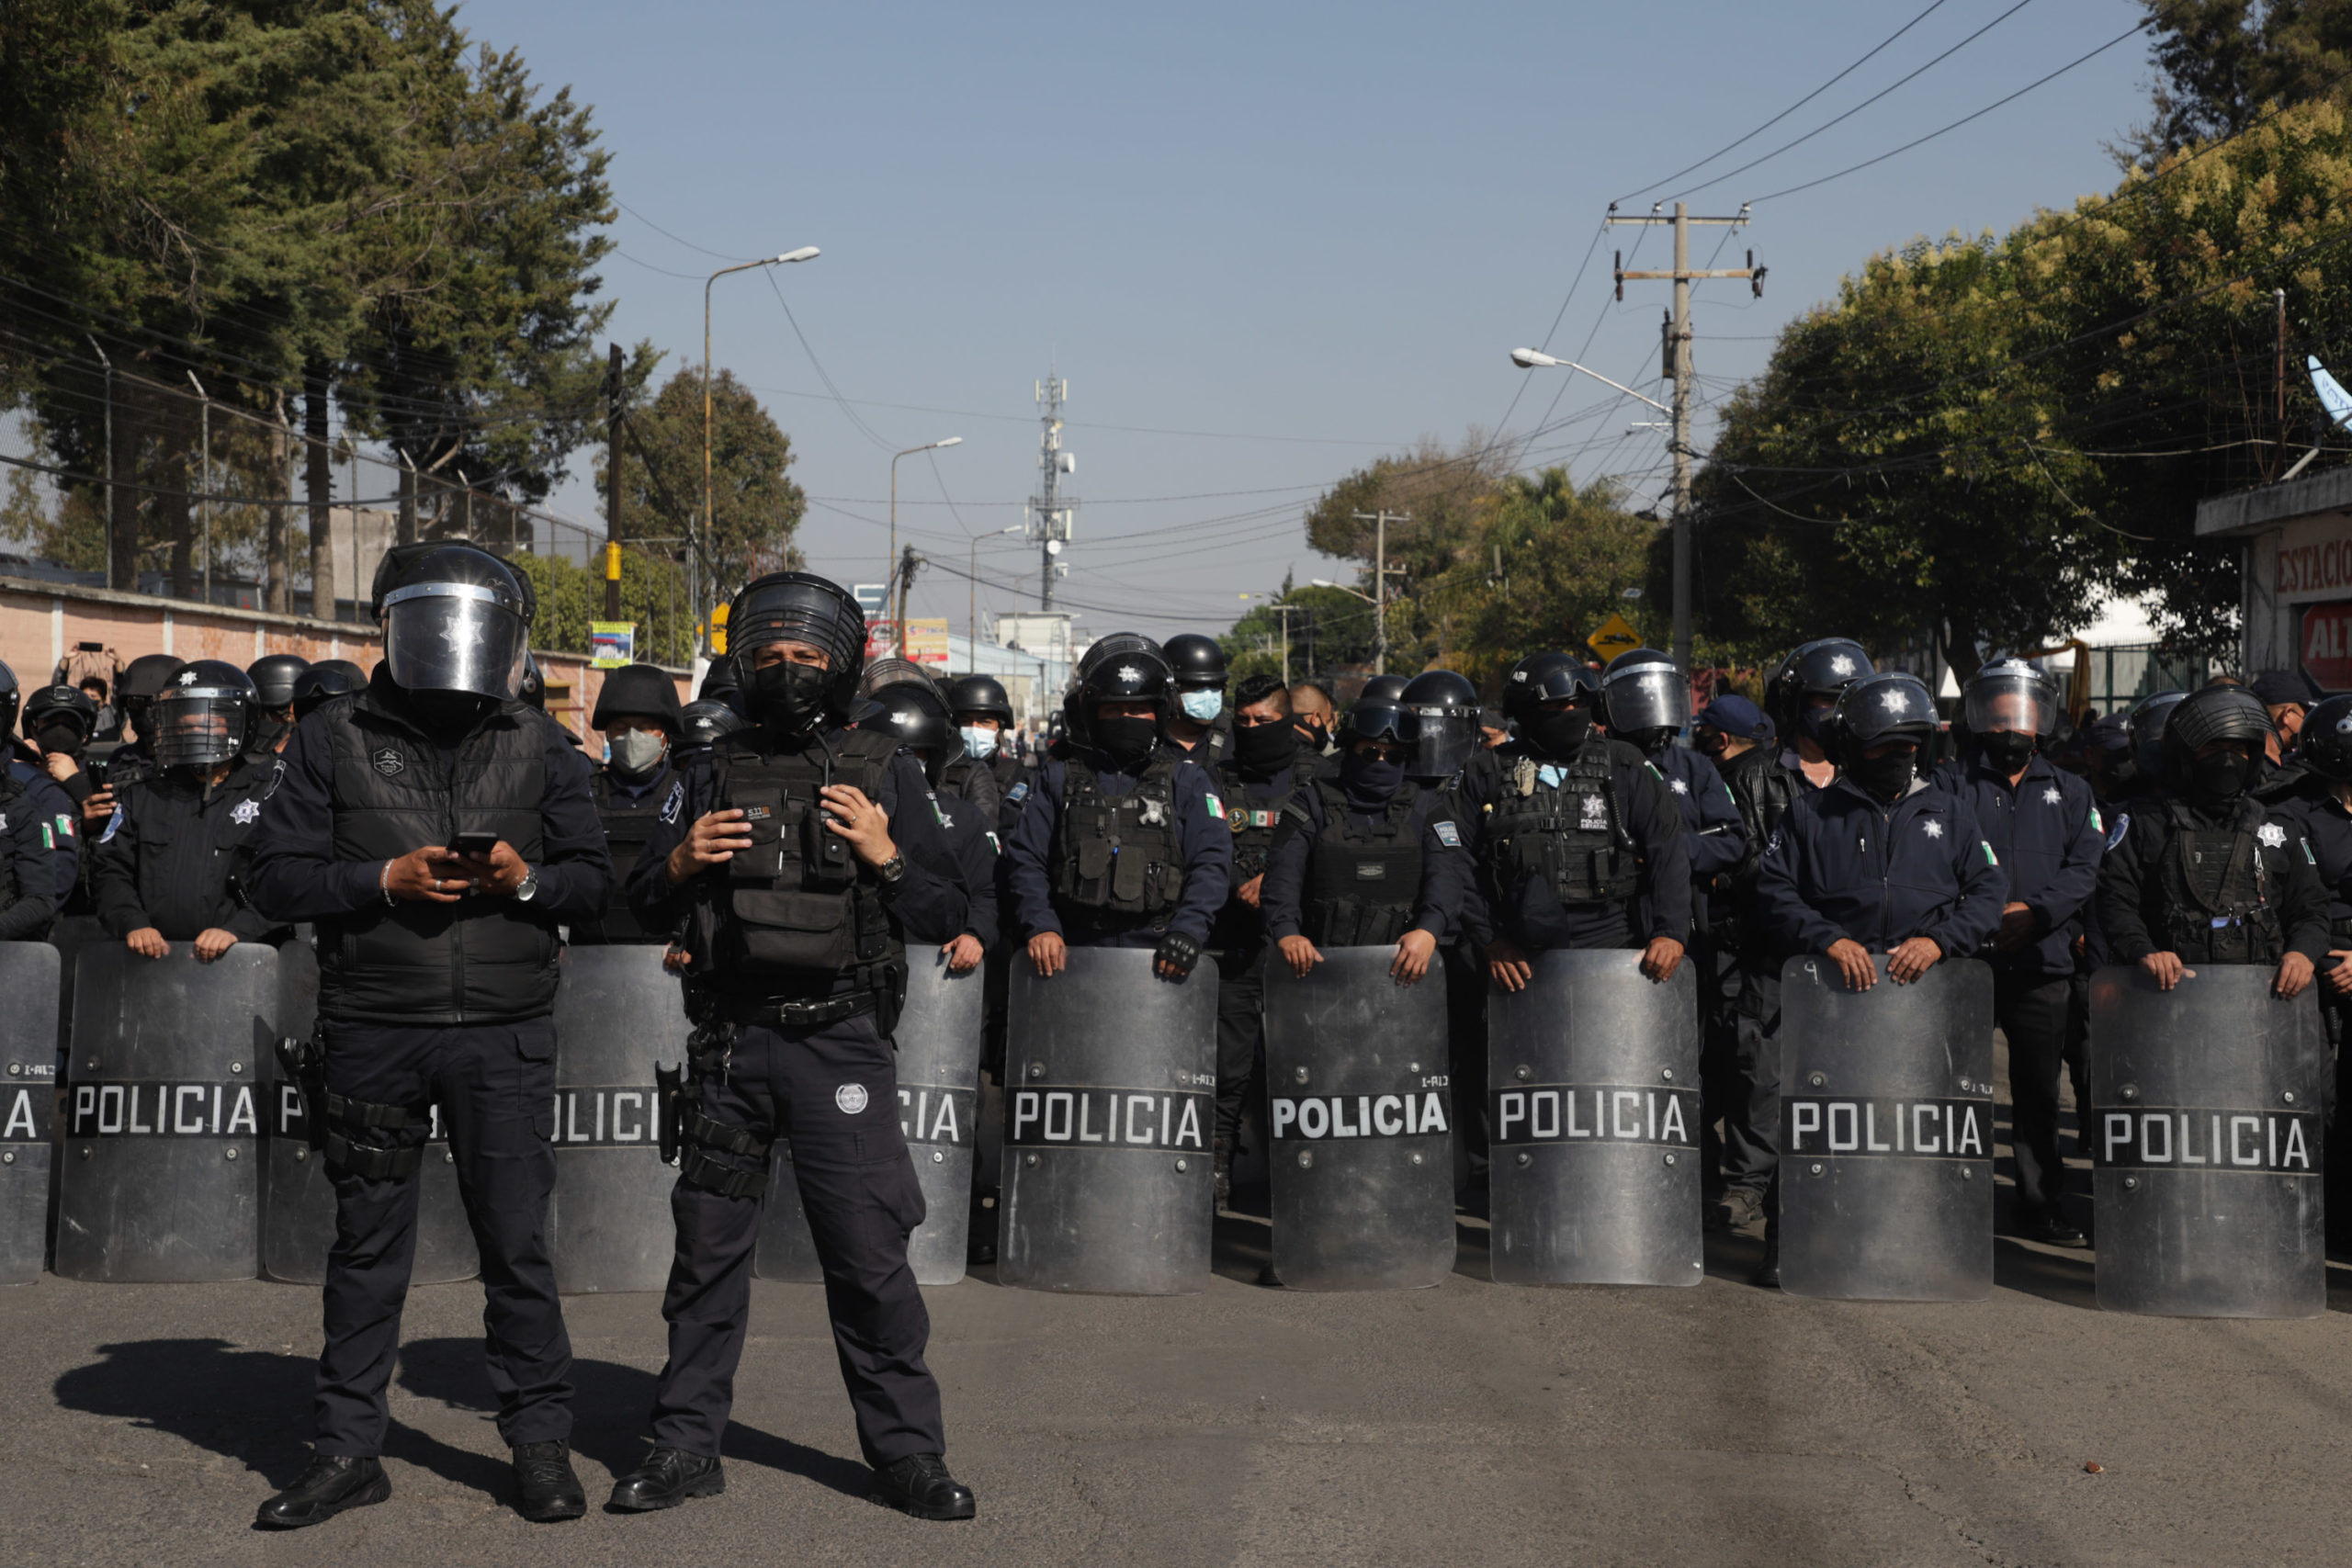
point(2208, 1129)
point(70, 934)
point(1361, 1164)
point(29, 972)
point(163, 1109)
point(1887, 1133)
point(1109, 1108)
point(297, 1195)
point(617, 1013)
point(1593, 1079)
point(938, 1040)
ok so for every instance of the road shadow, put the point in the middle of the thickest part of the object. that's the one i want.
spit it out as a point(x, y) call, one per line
point(1241, 1249)
point(2067, 1278)
point(610, 1404)
point(1473, 1247)
point(1735, 1255)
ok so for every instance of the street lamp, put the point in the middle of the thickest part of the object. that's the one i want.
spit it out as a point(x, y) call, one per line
point(1275, 603)
point(1535, 359)
point(890, 566)
point(806, 252)
point(972, 581)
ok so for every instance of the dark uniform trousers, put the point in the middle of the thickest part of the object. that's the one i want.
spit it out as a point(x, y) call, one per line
point(2035, 1013)
point(1465, 1030)
point(831, 1090)
point(1240, 1029)
point(1752, 1121)
point(495, 1085)
point(1723, 1089)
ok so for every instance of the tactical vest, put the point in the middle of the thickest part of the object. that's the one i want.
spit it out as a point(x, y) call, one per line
point(482, 960)
point(10, 793)
point(798, 911)
point(628, 825)
point(1569, 837)
point(1118, 860)
point(1256, 823)
point(2219, 905)
point(1361, 882)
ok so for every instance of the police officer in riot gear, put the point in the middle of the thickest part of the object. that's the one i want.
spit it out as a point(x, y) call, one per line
point(30, 887)
point(1879, 861)
point(983, 718)
point(327, 678)
point(914, 715)
point(637, 712)
point(273, 677)
point(2320, 811)
point(1123, 843)
point(142, 678)
point(700, 724)
point(49, 810)
point(2045, 830)
point(1443, 706)
point(438, 833)
point(1195, 723)
point(2207, 874)
point(800, 857)
point(175, 860)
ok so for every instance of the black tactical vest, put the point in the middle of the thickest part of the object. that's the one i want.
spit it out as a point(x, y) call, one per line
point(1570, 837)
point(1361, 883)
point(482, 960)
point(11, 791)
point(2219, 905)
point(1255, 822)
point(797, 911)
point(628, 825)
point(1118, 860)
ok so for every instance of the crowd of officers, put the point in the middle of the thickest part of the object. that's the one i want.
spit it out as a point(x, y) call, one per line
point(812, 817)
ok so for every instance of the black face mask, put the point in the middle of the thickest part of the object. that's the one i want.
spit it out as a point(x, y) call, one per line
point(1369, 783)
point(1555, 733)
point(789, 698)
point(1885, 778)
point(1816, 723)
point(1126, 741)
point(1315, 733)
point(1711, 743)
point(449, 713)
point(60, 736)
point(2008, 749)
point(1265, 748)
point(267, 733)
point(2220, 778)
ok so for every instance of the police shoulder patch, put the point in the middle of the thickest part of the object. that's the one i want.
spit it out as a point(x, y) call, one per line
point(64, 825)
point(1447, 833)
point(1990, 858)
point(2122, 826)
point(994, 847)
point(2272, 835)
point(276, 777)
point(675, 803)
point(1217, 807)
point(1018, 793)
point(389, 762)
point(2309, 858)
point(113, 822)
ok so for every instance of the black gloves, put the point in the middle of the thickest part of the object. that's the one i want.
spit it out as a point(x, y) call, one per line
point(1178, 952)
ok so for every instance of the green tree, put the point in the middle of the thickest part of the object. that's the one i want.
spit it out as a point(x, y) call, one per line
point(756, 504)
point(2219, 62)
point(653, 595)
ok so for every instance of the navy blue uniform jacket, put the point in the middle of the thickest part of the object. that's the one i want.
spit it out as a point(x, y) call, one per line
point(1842, 866)
point(2048, 836)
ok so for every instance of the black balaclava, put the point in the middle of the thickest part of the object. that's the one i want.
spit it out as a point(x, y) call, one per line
point(1126, 741)
point(2216, 781)
point(1555, 733)
point(1266, 748)
point(1711, 743)
point(60, 735)
point(790, 696)
point(1886, 779)
point(1369, 781)
point(449, 714)
point(2006, 750)
point(1815, 723)
point(1313, 731)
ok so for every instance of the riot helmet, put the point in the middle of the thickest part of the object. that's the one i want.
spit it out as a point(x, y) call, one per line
point(1445, 707)
point(456, 619)
point(327, 678)
point(722, 682)
point(141, 678)
point(2011, 694)
point(1138, 675)
point(1113, 645)
point(1824, 668)
point(1380, 718)
point(916, 717)
point(11, 697)
point(274, 678)
point(1642, 694)
point(891, 671)
point(636, 691)
point(1877, 710)
point(61, 718)
point(1382, 688)
point(790, 697)
point(1558, 705)
point(2326, 745)
point(533, 692)
point(2146, 724)
point(1521, 681)
point(1198, 665)
point(980, 694)
point(702, 722)
point(2228, 717)
point(204, 716)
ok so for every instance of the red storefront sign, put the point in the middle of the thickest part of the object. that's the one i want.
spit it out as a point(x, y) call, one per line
point(2312, 569)
point(2327, 645)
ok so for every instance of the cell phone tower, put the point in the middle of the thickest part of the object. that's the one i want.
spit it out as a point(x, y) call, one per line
point(1051, 509)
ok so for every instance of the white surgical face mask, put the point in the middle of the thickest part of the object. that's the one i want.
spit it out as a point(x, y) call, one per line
point(979, 741)
point(1201, 707)
point(637, 752)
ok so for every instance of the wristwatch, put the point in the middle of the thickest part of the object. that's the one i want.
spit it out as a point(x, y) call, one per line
point(891, 870)
point(529, 888)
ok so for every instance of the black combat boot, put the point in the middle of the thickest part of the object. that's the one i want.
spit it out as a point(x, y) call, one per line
point(666, 1478)
point(919, 1484)
point(545, 1490)
point(1767, 1273)
point(334, 1483)
point(1221, 1162)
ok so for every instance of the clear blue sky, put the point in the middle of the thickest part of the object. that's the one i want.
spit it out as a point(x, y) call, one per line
point(1264, 242)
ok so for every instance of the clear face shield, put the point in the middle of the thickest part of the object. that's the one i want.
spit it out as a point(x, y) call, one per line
point(1444, 739)
point(455, 636)
point(1647, 697)
point(2021, 704)
point(198, 726)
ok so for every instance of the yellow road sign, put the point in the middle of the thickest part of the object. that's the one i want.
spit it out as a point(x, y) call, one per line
point(1614, 637)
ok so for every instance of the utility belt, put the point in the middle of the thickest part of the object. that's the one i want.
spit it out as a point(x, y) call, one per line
point(338, 1126)
point(1095, 928)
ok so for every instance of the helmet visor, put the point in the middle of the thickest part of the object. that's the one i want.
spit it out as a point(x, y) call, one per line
point(198, 726)
point(2018, 704)
point(1648, 697)
point(1444, 739)
point(799, 612)
point(454, 637)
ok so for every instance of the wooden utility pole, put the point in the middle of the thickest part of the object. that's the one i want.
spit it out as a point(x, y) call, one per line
point(319, 482)
point(1380, 521)
point(614, 412)
point(1678, 343)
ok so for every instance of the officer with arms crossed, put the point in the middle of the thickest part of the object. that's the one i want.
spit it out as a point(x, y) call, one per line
point(1123, 843)
point(797, 859)
point(2047, 835)
point(1880, 861)
point(637, 712)
point(174, 863)
point(438, 832)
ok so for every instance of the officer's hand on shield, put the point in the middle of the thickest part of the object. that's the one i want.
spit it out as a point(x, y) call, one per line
point(1508, 966)
point(1300, 954)
point(2294, 975)
point(213, 942)
point(712, 840)
point(675, 959)
point(1412, 962)
point(1249, 891)
point(866, 826)
point(964, 953)
point(431, 876)
point(147, 942)
point(1853, 961)
point(1047, 952)
point(1174, 957)
point(2163, 968)
point(1661, 958)
point(2339, 975)
point(2016, 928)
point(1913, 959)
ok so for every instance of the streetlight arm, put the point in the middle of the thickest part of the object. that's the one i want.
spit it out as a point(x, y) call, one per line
point(1532, 359)
point(1343, 588)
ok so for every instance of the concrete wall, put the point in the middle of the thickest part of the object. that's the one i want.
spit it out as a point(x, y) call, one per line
point(40, 623)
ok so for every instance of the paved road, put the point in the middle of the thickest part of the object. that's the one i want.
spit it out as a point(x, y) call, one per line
point(1474, 1424)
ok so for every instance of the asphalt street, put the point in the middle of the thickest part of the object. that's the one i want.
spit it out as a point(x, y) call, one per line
point(1471, 1423)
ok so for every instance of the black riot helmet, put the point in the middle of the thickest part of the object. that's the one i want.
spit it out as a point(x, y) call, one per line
point(274, 679)
point(203, 716)
point(2326, 745)
point(2146, 724)
point(327, 678)
point(1196, 662)
point(1115, 645)
point(2010, 694)
point(722, 682)
point(1891, 705)
point(982, 695)
point(1521, 681)
point(800, 606)
point(141, 678)
point(58, 708)
point(1383, 689)
point(455, 618)
point(1642, 694)
point(637, 691)
point(1445, 706)
point(1824, 668)
point(2216, 713)
point(702, 722)
point(11, 697)
point(891, 671)
point(533, 691)
point(1138, 675)
point(916, 717)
